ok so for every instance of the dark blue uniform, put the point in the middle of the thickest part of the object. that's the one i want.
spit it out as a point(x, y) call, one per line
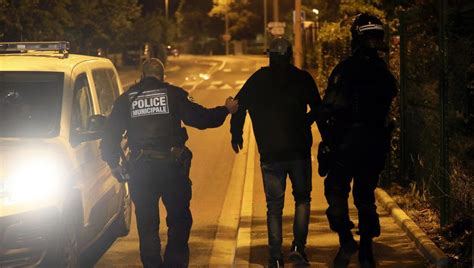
point(355, 108)
point(151, 113)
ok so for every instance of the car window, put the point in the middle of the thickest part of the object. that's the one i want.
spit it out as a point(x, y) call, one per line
point(113, 79)
point(82, 107)
point(106, 87)
point(30, 103)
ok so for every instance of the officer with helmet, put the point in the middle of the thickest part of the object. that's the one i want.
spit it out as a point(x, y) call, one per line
point(354, 112)
point(151, 113)
point(277, 98)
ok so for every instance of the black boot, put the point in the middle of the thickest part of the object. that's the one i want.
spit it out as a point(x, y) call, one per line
point(366, 257)
point(346, 250)
point(275, 263)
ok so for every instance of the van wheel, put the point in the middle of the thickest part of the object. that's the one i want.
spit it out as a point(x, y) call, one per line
point(123, 221)
point(70, 252)
point(66, 253)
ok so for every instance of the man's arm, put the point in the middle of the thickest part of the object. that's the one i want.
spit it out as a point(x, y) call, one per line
point(238, 119)
point(197, 116)
point(115, 127)
point(313, 98)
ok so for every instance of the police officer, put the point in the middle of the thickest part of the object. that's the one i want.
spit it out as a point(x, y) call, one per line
point(277, 98)
point(151, 113)
point(355, 108)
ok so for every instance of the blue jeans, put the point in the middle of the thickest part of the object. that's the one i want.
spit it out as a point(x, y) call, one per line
point(274, 182)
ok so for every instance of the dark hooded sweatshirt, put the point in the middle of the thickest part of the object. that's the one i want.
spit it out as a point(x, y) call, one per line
point(277, 101)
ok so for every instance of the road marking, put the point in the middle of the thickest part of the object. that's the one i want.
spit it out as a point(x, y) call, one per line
point(212, 87)
point(225, 243)
point(188, 84)
point(227, 70)
point(211, 71)
point(226, 87)
point(245, 69)
point(244, 236)
point(240, 82)
point(216, 83)
point(222, 65)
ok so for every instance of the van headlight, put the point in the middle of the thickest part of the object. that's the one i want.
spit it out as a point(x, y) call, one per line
point(33, 179)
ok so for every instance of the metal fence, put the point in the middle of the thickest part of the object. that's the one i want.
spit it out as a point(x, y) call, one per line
point(436, 98)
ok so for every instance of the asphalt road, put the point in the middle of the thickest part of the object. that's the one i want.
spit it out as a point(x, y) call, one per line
point(210, 80)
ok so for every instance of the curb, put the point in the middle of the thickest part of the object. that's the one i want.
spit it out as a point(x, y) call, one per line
point(225, 243)
point(427, 247)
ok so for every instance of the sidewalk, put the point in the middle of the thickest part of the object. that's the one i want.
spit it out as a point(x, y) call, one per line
point(391, 249)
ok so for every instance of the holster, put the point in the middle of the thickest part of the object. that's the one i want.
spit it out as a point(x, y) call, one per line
point(325, 156)
point(183, 156)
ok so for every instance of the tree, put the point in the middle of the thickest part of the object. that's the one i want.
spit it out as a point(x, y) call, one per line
point(151, 29)
point(34, 20)
point(194, 22)
point(102, 23)
point(242, 20)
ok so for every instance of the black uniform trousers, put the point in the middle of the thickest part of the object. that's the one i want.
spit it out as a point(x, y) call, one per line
point(361, 158)
point(150, 181)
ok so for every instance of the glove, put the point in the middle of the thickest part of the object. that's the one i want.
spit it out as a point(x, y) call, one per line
point(119, 173)
point(324, 159)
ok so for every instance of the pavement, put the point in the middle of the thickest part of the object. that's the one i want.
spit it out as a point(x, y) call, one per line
point(392, 249)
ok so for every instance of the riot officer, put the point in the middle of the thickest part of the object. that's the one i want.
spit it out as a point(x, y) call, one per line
point(151, 113)
point(277, 98)
point(354, 111)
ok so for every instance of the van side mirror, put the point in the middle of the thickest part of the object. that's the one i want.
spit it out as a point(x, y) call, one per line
point(96, 129)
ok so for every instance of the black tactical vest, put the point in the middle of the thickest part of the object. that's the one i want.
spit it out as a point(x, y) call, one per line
point(154, 121)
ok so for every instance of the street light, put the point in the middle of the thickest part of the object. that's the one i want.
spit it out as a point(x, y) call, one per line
point(316, 13)
point(265, 21)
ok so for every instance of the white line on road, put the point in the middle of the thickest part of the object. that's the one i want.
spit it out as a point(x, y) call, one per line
point(225, 243)
point(245, 69)
point(227, 70)
point(212, 87)
point(244, 236)
point(240, 82)
point(222, 65)
point(211, 71)
point(226, 87)
point(217, 83)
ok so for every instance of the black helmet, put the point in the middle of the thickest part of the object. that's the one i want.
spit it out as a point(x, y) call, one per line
point(367, 27)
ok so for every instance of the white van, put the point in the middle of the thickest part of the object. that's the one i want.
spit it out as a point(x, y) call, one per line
point(57, 196)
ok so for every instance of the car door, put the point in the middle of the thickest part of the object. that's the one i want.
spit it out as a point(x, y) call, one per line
point(107, 91)
point(91, 183)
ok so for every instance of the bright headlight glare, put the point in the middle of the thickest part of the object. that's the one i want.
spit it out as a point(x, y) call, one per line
point(33, 179)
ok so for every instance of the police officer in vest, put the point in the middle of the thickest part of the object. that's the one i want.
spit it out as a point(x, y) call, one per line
point(150, 114)
point(355, 109)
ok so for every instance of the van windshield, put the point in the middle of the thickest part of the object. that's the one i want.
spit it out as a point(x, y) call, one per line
point(30, 104)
